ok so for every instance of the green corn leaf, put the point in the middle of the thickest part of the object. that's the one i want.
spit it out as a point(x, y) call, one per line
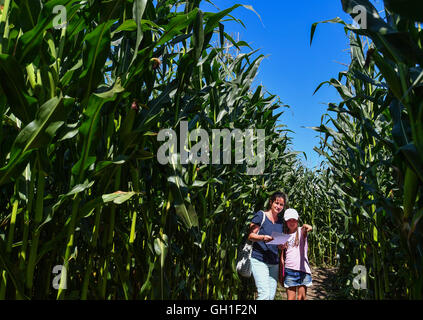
point(137, 12)
point(89, 126)
point(117, 197)
point(198, 35)
point(34, 135)
point(95, 55)
point(175, 25)
point(31, 41)
point(414, 160)
point(410, 192)
point(13, 85)
point(8, 266)
point(411, 9)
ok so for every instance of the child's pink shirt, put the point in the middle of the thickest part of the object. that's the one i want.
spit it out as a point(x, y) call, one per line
point(296, 257)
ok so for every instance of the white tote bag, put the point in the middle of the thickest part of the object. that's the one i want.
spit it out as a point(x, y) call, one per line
point(243, 265)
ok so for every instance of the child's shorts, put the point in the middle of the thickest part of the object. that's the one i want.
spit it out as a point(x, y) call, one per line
point(294, 278)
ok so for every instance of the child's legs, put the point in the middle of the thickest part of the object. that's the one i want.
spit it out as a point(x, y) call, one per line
point(302, 293)
point(291, 283)
point(291, 293)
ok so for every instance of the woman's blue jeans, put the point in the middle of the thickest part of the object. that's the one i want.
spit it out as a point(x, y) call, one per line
point(266, 278)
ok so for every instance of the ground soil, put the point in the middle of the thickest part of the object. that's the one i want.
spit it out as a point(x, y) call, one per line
point(323, 287)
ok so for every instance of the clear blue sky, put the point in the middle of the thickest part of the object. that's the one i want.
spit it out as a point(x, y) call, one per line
point(293, 68)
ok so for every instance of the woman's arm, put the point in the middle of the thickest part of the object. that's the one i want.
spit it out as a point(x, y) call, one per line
point(254, 237)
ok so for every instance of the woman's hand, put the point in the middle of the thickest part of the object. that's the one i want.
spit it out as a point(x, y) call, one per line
point(267, 238)
point(254, 236)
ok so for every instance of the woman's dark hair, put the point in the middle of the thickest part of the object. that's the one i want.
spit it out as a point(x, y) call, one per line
point(274, 196)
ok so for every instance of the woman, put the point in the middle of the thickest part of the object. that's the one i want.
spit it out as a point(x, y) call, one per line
point(265, 258)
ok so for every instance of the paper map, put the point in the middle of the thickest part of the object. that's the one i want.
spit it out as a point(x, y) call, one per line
point(279, 238)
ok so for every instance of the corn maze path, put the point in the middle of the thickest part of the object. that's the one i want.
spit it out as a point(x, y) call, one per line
point(323, 287)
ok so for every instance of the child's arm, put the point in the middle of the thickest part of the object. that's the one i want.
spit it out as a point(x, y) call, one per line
point(283, 246)
point(282, 253)
point(306, 229)
point(282, 267)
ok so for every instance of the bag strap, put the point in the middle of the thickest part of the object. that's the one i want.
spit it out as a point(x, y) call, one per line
point(262, 221)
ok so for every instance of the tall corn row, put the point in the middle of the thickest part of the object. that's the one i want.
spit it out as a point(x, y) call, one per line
point(80, 184)
point(374, 151)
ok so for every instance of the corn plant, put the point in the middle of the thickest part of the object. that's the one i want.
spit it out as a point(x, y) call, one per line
point(374, 150)
point(81, 106)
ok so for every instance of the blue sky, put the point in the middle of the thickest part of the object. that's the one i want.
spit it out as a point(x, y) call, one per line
point(293, 68)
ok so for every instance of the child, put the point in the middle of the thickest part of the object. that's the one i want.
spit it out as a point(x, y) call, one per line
point(297, 268)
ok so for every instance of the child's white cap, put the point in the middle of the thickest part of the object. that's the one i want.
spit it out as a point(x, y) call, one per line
point(290, 214)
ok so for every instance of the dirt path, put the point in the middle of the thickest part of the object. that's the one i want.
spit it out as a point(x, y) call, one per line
point(323, 285)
